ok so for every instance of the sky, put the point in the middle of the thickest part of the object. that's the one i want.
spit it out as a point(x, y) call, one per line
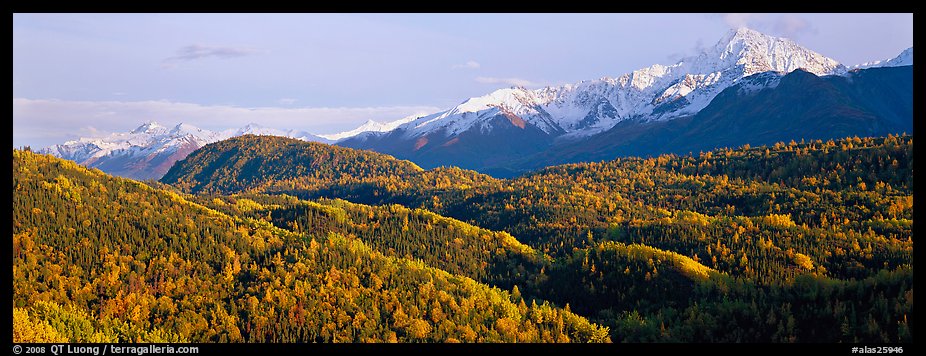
point(81, 75)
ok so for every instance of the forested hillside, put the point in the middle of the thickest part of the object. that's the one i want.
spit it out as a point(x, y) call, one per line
point(817, 235)
point(252, 162)
point(493, 257)
point(270, 239)
point(98, 258)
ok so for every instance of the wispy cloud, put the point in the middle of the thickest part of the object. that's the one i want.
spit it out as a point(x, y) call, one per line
point(698, 48)
point(470, 64)
point(787, 25)
point(737, 20)
point(195, 52)
point(792, 25)
point(287, 101)
point(41, 122)
point(509, 81)
point(191, 52)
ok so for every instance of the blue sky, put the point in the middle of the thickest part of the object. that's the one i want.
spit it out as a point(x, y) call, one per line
point(90, 74)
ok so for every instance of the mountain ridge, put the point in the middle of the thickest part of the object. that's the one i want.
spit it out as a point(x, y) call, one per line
point(869, 102)
point(488, 132)
point(798, 105)
point(905, 58)
point(497, 133)
point(148, 151)
point(652, 93)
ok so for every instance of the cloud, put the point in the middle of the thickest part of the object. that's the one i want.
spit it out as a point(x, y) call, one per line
point(785, 25)
point(791, 25)
point(195, 51)
point(698, 48)
point(737, 20)
point(509, 81)
point(287, 101)
point(470, 64)
point(192, 52)
point(43, 122)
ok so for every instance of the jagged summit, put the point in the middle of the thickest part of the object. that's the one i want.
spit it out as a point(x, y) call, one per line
point(150, 127)
point(757, 53)
point(371, 126)
point(905, 58)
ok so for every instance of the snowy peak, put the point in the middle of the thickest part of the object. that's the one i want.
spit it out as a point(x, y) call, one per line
point(151, 127)
point(374, 126)
point(905, 58)
point(509, 98)
point(371, 126)
point(656, 93)
point(187, 129)
point(641, 79)
point(253, 129)
point(755, 52)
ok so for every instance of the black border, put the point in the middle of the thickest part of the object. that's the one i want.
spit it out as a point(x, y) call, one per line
point(509, 349)
point(468, 6)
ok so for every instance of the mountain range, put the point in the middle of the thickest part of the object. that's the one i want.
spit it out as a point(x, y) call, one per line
point(748, 88)
point(148, 151)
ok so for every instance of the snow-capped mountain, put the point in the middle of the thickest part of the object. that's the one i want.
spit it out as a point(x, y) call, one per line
point(655, 93)
point(255, 129)
point(501, 132)
point(371, 126)
point(904, 59)
point(508, 127)
point(151, 149)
